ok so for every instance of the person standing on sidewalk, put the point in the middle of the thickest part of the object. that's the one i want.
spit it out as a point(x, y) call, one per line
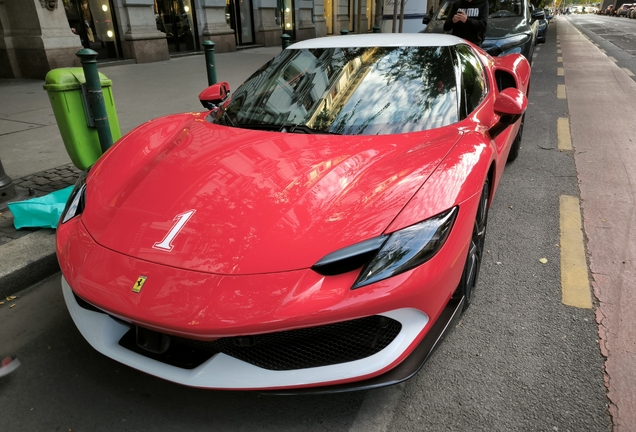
point(468, 19)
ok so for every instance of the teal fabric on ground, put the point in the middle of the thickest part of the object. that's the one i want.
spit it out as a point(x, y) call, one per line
point(41, 212)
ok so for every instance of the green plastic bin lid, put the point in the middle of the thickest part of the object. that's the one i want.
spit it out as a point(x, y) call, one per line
point(70, 79)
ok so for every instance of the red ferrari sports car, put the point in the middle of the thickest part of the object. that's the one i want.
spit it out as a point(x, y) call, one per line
point(319, 230)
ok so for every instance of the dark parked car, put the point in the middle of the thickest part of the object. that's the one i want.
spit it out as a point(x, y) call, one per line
point(510, 27)
point(622, 10)
point(548, 15)
point(538, 15)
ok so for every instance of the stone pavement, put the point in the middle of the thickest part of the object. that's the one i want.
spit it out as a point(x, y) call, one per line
point(33, 154)
point(35, 185)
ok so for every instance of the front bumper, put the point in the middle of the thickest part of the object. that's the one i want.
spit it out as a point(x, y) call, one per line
point(221, 371)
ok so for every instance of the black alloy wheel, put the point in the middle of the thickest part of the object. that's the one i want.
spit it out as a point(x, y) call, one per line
point(476, 248)
point(516, 144)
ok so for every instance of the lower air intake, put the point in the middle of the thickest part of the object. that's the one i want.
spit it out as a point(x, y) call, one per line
point(309, 347)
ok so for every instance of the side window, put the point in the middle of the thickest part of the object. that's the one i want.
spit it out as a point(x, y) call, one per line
point(474, 84)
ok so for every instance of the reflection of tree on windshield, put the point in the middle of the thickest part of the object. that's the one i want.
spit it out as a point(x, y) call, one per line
point(433, 67)
point(350, 91)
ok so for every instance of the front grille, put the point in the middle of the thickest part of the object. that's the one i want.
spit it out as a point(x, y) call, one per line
point(309, 347)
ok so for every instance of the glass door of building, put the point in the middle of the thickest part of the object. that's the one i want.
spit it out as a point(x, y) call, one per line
point(287, 12)
point(94, 22)
point(176, 19)
point(238, 15)
point(329, 16)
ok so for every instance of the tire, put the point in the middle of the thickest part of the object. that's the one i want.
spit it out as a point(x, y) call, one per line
point(476, 249)
point(516, 144)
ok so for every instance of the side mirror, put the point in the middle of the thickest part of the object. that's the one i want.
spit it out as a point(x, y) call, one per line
point(214, 95)
point(510, 104)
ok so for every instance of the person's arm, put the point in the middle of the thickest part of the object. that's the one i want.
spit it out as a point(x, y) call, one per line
point(448, 24)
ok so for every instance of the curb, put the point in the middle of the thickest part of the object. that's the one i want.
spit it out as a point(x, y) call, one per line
point(26, 261)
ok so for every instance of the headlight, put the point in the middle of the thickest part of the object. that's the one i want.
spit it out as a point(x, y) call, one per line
point(512, 41)
point(509, 45)
point(77, 200)
point(387, 256)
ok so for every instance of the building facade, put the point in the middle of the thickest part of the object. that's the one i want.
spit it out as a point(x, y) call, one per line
point(39, 35)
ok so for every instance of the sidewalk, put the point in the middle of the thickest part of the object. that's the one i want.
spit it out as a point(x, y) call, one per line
point(33, 154)
point(598, 93)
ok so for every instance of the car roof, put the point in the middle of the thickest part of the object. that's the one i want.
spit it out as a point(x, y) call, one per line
point(380, 40)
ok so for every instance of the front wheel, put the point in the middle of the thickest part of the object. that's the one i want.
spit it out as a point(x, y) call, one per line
point(476, 248)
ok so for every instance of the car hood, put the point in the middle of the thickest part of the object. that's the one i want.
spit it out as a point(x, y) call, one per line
point(183, 192)
point(499, 28)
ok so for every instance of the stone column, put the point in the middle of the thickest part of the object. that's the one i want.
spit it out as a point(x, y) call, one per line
point(305, 28)
point(268, 31)
point(215, 28)
point(342, 17)
point(36, 38)
point(141, 39)
point(8, 61)
point(319, 18)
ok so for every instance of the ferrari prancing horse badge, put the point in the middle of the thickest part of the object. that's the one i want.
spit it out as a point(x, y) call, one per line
point(141, 280)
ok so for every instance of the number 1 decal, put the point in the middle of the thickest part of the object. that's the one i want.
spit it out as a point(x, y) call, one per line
point(166, 243)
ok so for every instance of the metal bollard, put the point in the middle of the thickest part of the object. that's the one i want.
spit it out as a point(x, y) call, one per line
point(376, 29)
point(285, 40)
point(344, 32)
point(210, 64)
point(88, 58)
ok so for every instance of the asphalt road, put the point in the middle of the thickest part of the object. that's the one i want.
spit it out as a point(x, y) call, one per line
point(617, 36)
point(518, 360)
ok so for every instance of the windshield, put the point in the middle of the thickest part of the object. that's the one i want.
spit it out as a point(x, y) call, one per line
point(348, 91)
point(505, 8)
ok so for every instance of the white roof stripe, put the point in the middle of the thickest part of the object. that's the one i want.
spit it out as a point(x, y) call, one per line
point(379, 40)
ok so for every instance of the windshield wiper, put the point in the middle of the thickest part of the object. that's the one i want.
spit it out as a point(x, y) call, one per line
point(227, 121)
point(295, 128)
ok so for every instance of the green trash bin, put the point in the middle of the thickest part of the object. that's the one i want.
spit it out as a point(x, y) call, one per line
point(70, 106)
